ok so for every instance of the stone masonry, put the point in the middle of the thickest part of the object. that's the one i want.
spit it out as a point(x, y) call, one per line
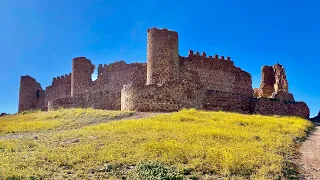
point(274, 84)
point(167, 82)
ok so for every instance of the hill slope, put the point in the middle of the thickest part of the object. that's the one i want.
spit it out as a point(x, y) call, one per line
point(189, 143)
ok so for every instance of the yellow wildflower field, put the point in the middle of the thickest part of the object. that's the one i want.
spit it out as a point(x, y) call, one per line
point(190, 144)
point(31, 121)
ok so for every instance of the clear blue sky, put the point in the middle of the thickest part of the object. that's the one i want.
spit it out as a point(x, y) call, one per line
point(40, 37)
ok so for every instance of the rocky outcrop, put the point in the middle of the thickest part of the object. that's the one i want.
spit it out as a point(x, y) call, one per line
point(316, 118)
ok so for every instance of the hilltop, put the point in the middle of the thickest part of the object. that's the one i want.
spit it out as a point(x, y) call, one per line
point(88, 143)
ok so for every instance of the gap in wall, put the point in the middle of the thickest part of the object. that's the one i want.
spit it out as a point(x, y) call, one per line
point(94, 75)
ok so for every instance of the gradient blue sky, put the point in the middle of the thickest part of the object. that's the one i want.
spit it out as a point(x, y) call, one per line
point(40, 37)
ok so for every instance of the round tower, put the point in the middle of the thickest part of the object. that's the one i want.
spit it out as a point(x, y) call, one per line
point(163, 56)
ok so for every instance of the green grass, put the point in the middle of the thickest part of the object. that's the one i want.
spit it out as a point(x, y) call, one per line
point(196, 144)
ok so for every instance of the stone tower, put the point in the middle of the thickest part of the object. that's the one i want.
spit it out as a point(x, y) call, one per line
point(82, 70)
point(281, 82)
point(163, 56)
point(267, 81)
point(29, 98)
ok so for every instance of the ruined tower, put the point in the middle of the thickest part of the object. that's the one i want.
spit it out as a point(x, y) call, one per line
point(163, 56)
point(274, 84)
point(281, 82)
point(267, 81)
point(82, 70)
point(31, 95)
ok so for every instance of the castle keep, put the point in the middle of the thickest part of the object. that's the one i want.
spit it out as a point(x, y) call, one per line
point(167, 82)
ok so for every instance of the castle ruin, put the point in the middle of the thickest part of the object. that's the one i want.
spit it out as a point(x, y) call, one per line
point(167, 82)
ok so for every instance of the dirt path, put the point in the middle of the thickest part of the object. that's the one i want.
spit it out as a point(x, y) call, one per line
point(309, 161)
point(136, 115)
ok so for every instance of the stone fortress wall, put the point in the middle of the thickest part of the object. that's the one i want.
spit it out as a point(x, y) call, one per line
point(167, 82)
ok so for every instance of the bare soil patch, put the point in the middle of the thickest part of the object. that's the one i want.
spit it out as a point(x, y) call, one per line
point(309, 161)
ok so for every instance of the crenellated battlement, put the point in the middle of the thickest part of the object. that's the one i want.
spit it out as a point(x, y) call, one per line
point(204, 55)
point(61, 79)
point(214, 62)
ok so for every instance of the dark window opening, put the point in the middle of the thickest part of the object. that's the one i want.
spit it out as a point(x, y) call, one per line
point(38, 93)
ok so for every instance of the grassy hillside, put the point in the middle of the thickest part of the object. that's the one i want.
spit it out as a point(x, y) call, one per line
point(189, 143)
point(34, 121)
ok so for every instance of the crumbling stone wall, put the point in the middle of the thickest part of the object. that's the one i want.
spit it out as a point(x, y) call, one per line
point(283, 96)
point(103, 93)
point(168, 82)
point(267, 106)
point(163, 56)
point(267, 81)
point(97, 100)
point(103, 100)
point(112, 77)
point(82, 70)
point(274, 84)
point(281, 83)
point(66, 102)
point(225, 101)
point(217, 73)
point(60, 88)
point(28, 98)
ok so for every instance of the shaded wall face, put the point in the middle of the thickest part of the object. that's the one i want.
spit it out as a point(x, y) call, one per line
point(163, 56)
point(266, 106)
point(98, 100)
point(60, 88)
point(28, 97)
point(281, 83)
point(220, 75)
point(224, 101)
point(82, 70)
point(112, 77)
point(267, 81)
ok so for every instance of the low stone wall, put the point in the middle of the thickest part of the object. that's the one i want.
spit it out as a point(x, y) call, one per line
point(225, 101)
point(109, 100)
point(266, 106)
point(175, 96)
point(97, 100)
point(165, 98)
point(68, 102)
